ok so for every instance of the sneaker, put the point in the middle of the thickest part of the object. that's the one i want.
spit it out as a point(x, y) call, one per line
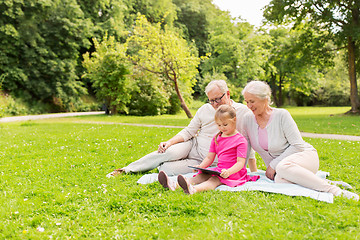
point(349, 195)
point(340, 183)
point(115, 173)
point(165, 181)
point(185, 185)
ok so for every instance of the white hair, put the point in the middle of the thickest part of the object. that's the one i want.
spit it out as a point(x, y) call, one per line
point(260, 89)
point(221, 84)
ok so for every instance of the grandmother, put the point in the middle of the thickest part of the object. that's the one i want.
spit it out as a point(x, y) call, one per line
point(273, 134)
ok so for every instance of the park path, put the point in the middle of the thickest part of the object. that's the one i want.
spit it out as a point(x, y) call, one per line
point(60, 115)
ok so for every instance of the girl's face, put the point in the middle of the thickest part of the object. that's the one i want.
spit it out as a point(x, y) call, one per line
point(227, 125)
point(255, 104)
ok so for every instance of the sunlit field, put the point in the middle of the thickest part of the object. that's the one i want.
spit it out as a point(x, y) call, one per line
point(53, 186)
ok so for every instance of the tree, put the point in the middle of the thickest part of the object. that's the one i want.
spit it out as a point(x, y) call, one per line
point(39, 49)
point(236, 50)
point(164, 53)
point(107, 68)
point(107, 17)
point(290, 66)
point(338, 20)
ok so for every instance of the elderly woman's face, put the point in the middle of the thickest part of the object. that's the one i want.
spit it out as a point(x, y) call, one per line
point(255, 104)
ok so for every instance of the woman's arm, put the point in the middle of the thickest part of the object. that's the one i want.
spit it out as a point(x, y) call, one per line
point(289, 130)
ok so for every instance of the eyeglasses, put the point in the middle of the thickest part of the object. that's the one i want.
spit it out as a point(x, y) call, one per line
point(216, 100)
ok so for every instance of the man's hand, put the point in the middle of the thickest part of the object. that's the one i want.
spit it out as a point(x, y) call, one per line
point(163, 146)
point(270, 173)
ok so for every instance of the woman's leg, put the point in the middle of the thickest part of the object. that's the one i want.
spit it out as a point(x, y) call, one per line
point(300, 168)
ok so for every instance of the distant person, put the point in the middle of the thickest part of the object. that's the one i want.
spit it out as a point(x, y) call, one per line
point(273, 134)
point(191, 145)
point(230, 147)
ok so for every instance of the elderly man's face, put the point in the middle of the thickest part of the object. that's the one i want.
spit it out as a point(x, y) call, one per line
point(217, 98)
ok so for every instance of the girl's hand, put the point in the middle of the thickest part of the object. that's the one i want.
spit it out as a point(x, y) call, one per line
point(270, 173)
point(194, 170)
point(224, 173)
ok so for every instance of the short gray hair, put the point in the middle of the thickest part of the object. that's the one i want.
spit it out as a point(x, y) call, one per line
point(260, 89)
point(221, 84)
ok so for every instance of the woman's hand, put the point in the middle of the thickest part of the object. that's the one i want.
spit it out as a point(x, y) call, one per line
point(270, 173)
point(225, 173)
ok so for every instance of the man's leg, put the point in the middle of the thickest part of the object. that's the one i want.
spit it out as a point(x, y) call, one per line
point(178, 167)
point(154, 159)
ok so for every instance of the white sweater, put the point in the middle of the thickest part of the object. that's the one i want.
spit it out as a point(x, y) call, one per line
point(204, 128)
point(284, 137)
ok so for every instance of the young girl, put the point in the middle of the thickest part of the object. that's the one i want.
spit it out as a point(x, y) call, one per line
point(230, 147)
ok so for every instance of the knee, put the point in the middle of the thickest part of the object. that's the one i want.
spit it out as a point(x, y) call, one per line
point(283, 166)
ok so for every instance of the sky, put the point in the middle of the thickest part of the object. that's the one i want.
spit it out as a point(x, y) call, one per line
point(249, 10)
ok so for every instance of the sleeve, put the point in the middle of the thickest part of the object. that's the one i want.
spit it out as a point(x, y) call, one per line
point(241, 150)
point(193, 127)
point(250, 153)
point(292, 134)
point(212, 146)
point(241, 112)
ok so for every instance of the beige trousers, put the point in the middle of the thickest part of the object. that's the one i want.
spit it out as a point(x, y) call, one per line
point(300, 168)
point(174, 161)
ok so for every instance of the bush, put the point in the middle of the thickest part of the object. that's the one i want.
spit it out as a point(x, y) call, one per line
point(147, 96)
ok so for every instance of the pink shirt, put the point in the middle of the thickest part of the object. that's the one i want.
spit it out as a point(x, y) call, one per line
point(263, 136)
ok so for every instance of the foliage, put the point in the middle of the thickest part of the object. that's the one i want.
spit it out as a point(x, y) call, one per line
point(194, 20)
point(53, 177)
point(291, 69)
point(331, 19)
point(107, 17)
point(154, 11)
point(107, 68)
point(166, 54)
point(147, 95)
point(334, 88)
point(234, 50)
point(39, 44)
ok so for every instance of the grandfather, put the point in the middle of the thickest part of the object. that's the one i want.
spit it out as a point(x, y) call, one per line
point(191, 145)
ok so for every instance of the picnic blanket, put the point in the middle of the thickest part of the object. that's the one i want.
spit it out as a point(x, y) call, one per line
point(263, 184)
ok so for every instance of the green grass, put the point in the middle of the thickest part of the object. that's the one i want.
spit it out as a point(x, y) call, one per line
point(53, 176)
point(330, 120)
point(326, 120)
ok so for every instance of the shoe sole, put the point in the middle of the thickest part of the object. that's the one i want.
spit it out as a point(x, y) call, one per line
point(183, 184)
point(163, 180)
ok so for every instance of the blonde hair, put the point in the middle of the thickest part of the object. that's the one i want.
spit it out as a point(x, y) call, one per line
point(260, 89)
point(224, 112)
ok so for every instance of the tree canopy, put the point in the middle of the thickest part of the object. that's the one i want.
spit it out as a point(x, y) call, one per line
point(57, 52)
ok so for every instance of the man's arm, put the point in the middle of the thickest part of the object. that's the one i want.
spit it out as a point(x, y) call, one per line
point(165, 145)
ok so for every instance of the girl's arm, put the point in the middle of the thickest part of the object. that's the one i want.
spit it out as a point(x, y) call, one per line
point(208, 160)
point(225, 173)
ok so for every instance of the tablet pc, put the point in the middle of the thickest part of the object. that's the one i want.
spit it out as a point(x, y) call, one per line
point(205, 170)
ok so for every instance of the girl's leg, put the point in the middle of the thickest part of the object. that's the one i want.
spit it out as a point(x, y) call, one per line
point(199, 178)
point(210, 184)
point(300, 168)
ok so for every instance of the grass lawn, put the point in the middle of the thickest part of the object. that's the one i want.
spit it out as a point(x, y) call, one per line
point(53, 179)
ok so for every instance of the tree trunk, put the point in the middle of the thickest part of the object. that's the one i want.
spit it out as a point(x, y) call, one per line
point(354, 97)
point(274, 88)
point(182, 102)
point(281, 101)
